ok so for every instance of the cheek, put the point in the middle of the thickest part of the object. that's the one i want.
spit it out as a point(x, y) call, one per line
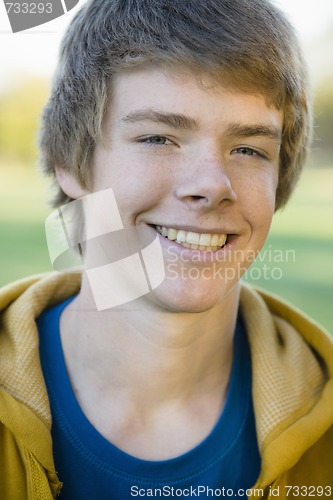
point(256, 197)
point(137, 184)
point(140, 192)
point(143, 181)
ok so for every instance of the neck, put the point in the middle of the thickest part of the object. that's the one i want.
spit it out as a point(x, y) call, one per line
point(152, 354)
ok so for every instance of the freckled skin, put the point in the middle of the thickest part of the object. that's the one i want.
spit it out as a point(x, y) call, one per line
point(201, 172)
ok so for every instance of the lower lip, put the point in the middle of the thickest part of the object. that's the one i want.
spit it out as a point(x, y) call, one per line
point(196, 255)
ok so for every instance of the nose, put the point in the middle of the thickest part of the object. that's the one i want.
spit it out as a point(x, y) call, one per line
point(206, 184)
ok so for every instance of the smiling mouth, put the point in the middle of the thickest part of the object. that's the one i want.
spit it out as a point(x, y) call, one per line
point(206, 242)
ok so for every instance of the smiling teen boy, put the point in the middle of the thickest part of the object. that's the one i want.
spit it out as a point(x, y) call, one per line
point(195, 117)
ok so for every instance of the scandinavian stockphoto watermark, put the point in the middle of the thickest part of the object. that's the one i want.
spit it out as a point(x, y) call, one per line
point(23, 15)
point(229, 265)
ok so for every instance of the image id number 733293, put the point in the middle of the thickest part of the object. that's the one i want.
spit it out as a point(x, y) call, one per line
point(29, 7)
point(308, 491)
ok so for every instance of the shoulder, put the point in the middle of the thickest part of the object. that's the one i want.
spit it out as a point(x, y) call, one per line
point(292, 373)
point(260, 306)
point(39, 291)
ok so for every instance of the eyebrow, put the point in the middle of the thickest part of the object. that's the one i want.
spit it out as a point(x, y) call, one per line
point(173, 120)
point(255, 130)
point(179, 121)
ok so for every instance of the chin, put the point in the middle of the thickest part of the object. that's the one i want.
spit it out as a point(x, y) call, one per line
point(188, 297)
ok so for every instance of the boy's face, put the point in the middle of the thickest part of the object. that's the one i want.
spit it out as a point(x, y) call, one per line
point(182, 156)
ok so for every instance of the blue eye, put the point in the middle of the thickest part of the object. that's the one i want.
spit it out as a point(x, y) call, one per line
point(156, 140)
point(247, 151)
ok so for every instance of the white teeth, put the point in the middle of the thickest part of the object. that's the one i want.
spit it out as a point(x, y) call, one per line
point(172, 234)
point(205, 239)
point(192, 238)
point(195, 241)
point(221, 240)
point(181, 237)
point(215, 240)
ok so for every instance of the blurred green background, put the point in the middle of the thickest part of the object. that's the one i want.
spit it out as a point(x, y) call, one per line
point(297, 261)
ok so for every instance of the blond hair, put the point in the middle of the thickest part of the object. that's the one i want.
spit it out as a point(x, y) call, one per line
point(246, 44)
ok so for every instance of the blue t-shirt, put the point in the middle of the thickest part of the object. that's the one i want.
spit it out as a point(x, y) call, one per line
point(91, 467)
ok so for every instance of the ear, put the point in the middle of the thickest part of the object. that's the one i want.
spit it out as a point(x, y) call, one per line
point(70, 186)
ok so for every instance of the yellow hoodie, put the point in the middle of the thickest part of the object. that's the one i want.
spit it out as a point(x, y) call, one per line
point(292, 360)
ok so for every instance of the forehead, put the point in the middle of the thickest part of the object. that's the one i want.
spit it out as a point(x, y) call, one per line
point(145, 94)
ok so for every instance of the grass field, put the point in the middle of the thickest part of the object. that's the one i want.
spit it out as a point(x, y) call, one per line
point(296, 263)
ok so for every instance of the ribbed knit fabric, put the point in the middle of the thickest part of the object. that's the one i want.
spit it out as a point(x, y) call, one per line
point(20, 372)
point(293, 377)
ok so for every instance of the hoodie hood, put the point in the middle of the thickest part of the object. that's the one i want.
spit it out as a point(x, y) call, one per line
point(292, 370)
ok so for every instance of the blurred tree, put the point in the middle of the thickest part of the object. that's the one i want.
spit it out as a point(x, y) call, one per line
point(20, 109)
point(320, 56)
point(323, 105)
